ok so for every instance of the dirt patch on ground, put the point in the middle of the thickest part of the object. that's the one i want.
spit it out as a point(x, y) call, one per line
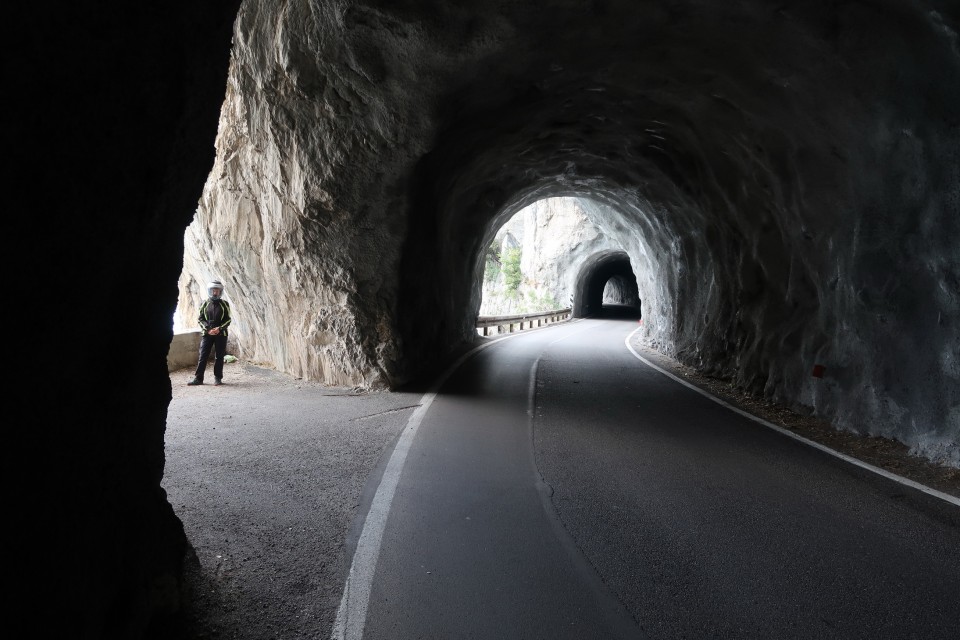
point(887, 454)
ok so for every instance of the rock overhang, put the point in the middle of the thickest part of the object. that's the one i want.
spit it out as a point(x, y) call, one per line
point(732, 150)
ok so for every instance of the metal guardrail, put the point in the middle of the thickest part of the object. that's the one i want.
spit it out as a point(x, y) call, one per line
point(506, 324)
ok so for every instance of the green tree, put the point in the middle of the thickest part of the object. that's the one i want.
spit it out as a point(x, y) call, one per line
point(511, 269)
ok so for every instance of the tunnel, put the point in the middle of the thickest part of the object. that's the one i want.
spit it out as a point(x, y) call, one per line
point(606, 278)
point(782, 178)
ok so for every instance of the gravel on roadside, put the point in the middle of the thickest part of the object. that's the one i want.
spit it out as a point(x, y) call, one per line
point(267, 473)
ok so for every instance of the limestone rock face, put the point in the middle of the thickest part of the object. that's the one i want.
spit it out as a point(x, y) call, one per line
point(783, 179)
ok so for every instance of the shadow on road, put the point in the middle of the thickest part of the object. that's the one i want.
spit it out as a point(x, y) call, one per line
point(617, 312)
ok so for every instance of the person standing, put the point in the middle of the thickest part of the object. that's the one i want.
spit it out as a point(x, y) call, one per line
point(214, 318)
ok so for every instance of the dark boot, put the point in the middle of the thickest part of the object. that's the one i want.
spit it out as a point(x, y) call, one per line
point(195, 381)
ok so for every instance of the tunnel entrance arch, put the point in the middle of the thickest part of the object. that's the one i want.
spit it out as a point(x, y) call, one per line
point(529, 261)
point(606, 285)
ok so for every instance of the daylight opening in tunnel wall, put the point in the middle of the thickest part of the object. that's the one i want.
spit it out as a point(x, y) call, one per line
point(618, 290)
point(532, 261)
point(570, 252)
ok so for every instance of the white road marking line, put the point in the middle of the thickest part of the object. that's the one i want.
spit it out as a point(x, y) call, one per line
point(786, 432)
point(352, 613)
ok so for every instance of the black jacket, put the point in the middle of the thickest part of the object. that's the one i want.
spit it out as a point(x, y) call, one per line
point(214, 313)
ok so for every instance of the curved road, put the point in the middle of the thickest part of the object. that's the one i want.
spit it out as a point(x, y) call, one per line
point(555, 486)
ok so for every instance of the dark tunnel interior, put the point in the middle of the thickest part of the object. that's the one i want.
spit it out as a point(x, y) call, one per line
point(780, 181)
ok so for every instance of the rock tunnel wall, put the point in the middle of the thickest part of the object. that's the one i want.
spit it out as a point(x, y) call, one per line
point(782, 177)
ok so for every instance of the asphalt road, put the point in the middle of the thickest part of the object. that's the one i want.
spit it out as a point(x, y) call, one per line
point(557, 487)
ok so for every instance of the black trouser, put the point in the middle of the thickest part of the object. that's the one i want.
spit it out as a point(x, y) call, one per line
point(207, 343)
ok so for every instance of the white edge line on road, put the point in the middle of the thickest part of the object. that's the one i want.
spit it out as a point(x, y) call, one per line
point(352, 613)
point(786, 432)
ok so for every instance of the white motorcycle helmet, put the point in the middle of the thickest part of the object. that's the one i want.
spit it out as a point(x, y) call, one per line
point(215, 285)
